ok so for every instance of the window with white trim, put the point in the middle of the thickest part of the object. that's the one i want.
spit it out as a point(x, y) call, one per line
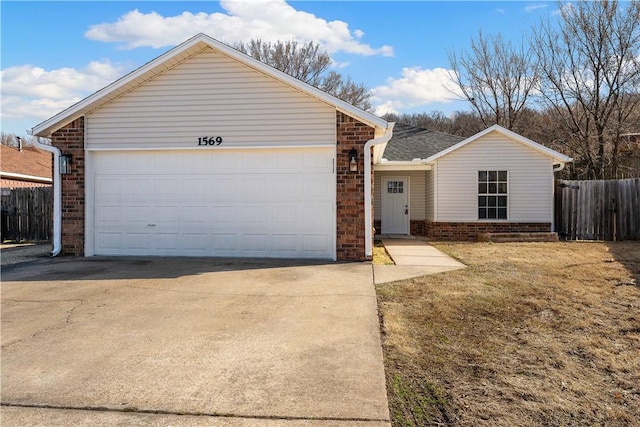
point(492, 194)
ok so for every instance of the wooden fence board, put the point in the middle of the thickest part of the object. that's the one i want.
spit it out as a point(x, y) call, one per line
point(27, 214)
point(599, 210)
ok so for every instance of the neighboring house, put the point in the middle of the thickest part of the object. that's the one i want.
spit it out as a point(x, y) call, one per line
point(447, 187)
point(24, 167)
point(205, 151)
point(25, 189)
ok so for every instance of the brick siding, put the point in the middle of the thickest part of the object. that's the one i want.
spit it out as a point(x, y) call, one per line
point(350, 238)
point(70, 140)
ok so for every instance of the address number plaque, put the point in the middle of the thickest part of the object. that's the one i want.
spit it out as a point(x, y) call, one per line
point(210, 140)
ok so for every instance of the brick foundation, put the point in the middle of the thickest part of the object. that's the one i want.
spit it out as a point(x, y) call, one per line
point(417, 227)
point(468, 231)
point(70, 140)
point(350, 238)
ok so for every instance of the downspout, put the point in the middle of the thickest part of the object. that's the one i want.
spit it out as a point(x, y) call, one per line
point(57, 197)
point(368, 226)
point(553, 192)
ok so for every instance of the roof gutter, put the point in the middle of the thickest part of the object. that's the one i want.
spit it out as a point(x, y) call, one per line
point(22, 177)
point(368, 217)
point(57, 197)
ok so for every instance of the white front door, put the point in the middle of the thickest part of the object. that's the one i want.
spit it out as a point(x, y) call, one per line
point(395, 205)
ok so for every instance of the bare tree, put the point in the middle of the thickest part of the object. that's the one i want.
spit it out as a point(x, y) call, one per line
point(13, 140)
point(460, 123)
point(590, 77)
point(496, 77)
point(311, 64)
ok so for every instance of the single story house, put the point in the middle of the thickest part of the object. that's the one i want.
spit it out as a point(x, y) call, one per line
point(448, 187)
point(205, 151)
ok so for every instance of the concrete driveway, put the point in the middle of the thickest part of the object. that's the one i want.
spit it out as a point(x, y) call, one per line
point(175, 341)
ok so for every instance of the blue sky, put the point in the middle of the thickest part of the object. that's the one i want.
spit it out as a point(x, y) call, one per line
point(55, 53)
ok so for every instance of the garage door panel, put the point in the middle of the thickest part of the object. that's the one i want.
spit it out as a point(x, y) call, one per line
point(209, 204)
point(255, 216)
point(316, 216)
point(169, 190)
point(222, 189)
point(167, 214)
point(312, 162)
point(195, 215)
point(225, 215)
point(137, 241)
point(225, 243)
point(196, 242)
point(138, 215)
point(109, 214)
point(315, 188)
point(110, 243)
point(314, 244)
point(137, 189)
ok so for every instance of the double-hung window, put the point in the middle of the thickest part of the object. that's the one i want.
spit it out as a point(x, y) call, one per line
point(492, 194)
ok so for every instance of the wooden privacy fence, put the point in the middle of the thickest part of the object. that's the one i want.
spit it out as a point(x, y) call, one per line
point(598, 210)
point(26, 214)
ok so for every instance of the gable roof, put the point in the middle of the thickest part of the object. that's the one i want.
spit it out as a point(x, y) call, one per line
point(176, 55)
point(26, 168)
point(557, 157)
point(410, 142)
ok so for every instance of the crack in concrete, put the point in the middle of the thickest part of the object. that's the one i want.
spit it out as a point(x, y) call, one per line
point(133, 410)
point(67, 319)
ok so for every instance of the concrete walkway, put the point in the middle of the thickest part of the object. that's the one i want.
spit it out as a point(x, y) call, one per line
point(414, 258)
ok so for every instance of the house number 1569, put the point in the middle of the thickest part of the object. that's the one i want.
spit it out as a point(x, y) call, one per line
point(210, 140)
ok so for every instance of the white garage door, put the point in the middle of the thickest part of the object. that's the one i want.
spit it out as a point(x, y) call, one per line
point(246, 203)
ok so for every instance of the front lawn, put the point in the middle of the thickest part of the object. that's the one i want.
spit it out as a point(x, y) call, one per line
point(529, 334)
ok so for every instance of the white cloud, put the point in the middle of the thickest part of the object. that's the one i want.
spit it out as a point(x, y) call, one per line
point(530, 8)
point(36, 93)
point(416, 87)
point(269, 20)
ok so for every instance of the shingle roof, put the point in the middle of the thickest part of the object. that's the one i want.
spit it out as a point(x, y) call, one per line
point(410, 142)
point(30, 161)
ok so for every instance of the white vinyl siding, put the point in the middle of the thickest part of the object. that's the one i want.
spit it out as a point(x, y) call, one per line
point(211, 95)
point(430, 195)
point(530, 180)
point(417, 183)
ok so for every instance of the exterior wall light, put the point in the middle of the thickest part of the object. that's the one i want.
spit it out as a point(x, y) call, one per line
point(65, 164)
point(353, 160)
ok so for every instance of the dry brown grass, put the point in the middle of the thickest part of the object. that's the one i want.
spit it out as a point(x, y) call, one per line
point(380, 254)
point(529, 334)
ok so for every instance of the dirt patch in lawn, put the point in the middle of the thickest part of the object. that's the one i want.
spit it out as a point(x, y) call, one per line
point(528, 334)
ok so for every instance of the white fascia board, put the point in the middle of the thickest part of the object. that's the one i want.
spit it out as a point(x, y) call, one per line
point(557, 157)
point(161, 63)
point(401, 166)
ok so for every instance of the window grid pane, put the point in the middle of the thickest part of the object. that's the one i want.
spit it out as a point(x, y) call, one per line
point(492, 195)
